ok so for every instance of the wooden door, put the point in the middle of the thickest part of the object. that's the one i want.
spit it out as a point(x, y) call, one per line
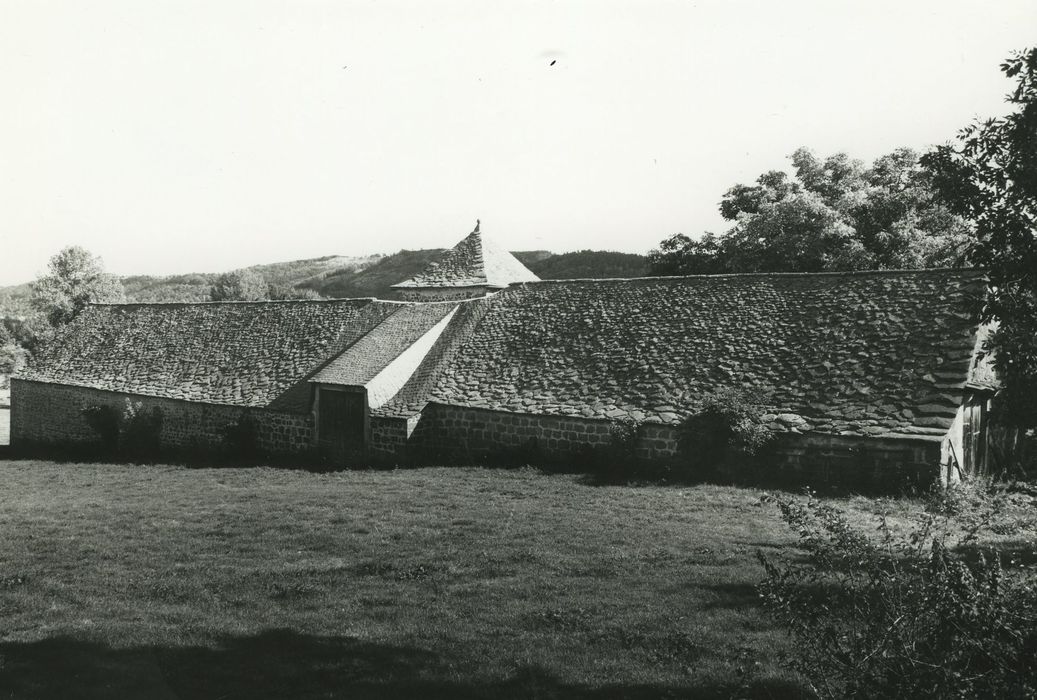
point(974, 443)
point(342, 418)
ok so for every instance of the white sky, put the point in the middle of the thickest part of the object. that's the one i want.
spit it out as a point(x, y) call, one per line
point(206, 135)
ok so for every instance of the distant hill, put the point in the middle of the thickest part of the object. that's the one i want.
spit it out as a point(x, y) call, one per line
point(376, 279)
point(337, 276)
point(594, 264)
point(195, 287)
point(531, 257)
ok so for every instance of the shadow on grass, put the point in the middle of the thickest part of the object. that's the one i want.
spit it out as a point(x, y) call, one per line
point(285, 664)
point(733, 596)
point(89, 453)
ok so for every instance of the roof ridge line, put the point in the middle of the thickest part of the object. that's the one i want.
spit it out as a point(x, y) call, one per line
point(397, 302)
point(826, 273)
point(234, 301)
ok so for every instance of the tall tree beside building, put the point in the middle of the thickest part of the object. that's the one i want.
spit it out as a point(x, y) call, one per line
point(75, 278)
point(830, 214)
point(7, 354)
point(990, 177)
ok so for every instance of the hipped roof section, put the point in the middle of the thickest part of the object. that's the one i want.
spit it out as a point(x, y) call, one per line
point(474, 262)
point(867, 353)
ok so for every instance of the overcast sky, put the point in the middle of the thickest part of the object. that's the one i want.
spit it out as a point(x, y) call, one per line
point(203, 136)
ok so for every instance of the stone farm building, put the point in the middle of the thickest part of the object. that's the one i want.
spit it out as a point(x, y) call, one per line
point(867, 376)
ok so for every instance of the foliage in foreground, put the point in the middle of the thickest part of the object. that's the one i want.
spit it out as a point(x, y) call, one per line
point(927, 614)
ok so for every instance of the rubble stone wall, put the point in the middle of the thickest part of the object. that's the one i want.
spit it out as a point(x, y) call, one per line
point(469, 435)
point(52, 414)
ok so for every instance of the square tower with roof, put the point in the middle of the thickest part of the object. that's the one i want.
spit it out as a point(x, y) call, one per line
point(473, 268)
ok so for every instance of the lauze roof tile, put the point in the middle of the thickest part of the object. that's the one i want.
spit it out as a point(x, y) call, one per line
point(880, 353)
point(238, 353)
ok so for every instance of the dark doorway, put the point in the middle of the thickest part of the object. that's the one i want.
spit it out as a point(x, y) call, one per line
point(342, 418)
point(974, 434)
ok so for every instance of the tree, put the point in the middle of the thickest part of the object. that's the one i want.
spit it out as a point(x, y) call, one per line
point(680, 255)
point(990, 177)
point(832, 214)
point(285, 291)
point(76, 278)
point(8, 355)
point(243, 285)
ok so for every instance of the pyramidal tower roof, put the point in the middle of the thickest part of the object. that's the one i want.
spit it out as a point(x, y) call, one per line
point(474, 262)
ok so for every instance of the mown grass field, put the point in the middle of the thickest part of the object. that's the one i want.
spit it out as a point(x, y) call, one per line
point(120, 581)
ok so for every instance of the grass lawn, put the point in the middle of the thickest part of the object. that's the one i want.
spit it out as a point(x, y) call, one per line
point(166, 582)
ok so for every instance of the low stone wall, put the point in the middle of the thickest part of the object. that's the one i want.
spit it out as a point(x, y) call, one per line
point(391, 438)
point(388, 436)
point(849, 461)
point(473, 435)
point(51, 414)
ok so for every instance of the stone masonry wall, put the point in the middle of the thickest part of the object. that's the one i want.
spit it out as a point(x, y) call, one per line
point(52, 414)
point(49, 413)
point(850, 461)
point(470, 435)
point(473, 432)
point(390, 437)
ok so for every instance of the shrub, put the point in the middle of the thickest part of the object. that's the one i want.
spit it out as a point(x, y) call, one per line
point(616, 461)
point(927, 614)
point(141, 430)
point(1012, 451)
point(104, 421)
point(727, 429)
point(624, 435)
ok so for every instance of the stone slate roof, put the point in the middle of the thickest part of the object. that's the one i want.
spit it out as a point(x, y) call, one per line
point(359, 363)
point(474, 262)
point(872, 353)
point(414, 395)
point(236, 353)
